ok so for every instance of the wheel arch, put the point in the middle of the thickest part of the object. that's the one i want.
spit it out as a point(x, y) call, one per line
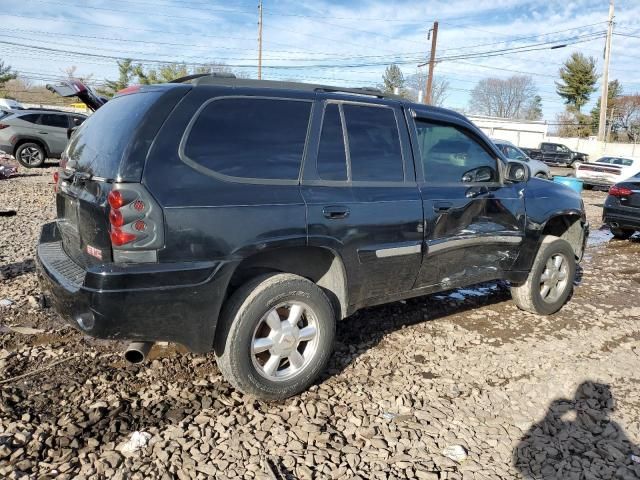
point(567, 226)
point(321, 265)
point(22, 140)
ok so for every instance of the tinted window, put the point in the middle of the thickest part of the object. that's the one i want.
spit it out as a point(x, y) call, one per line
point(251, 137)
point(31, 117)
point(53, 120)
point(449, 155)
point(374, 143)
point(99, 143)
point(332, 160)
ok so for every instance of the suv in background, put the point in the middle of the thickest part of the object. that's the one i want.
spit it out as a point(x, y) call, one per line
point(247, 217)
point(33, 135)
point(538, 169)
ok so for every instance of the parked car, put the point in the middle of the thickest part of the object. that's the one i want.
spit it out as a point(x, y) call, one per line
point(538, 169)
point(32, 135)
point(556, 154)
point(9, 104)
point(621, 210)
point(247, 217)
point(606, 171)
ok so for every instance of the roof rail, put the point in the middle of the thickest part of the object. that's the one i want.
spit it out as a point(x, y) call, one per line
point(373, 92)
point(188, 78)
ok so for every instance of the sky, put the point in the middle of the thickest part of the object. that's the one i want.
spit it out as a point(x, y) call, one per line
point(338, 43)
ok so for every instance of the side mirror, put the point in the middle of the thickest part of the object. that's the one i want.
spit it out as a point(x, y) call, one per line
point(516, 172)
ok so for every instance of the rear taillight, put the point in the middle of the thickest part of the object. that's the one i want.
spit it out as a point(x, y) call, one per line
point(136, 223)
point(56, 177)
point(120, 237)
point(2, 126)
point(115, 199)
point(617, 191)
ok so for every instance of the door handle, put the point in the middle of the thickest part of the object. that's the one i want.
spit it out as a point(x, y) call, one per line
point(442, 206)
point(473, 192)
point(43, 133)
point(335, 213)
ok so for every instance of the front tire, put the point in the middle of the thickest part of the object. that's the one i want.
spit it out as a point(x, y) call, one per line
point(621, 233)
point(550, 281)
point(30, 155)
point(275, 336)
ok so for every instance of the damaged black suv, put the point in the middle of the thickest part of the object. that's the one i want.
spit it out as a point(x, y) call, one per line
point(248, 217)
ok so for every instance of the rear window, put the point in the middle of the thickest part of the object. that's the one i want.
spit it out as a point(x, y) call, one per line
point(98, 145)
point(255, 138)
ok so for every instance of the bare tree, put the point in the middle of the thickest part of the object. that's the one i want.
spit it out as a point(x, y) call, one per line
point(439, 89)
point(72, 72)
point(506, 98)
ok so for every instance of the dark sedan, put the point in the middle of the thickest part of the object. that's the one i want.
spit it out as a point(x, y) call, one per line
point(622, 208)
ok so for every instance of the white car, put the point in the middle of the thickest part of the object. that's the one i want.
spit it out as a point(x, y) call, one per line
point(606, 171)
point(9, 104)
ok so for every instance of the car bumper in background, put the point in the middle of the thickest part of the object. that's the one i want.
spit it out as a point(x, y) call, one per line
point(146, 302)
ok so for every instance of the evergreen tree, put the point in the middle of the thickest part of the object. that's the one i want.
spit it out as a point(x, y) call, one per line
point(126, 70)
point(6, 73)
point(578, 77)
point(392, 79)
point(534, 109)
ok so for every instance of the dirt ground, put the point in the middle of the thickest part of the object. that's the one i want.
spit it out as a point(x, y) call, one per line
point(460, 385)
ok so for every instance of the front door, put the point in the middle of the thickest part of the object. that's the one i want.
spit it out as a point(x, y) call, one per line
point(474, 224)
point(362, 198)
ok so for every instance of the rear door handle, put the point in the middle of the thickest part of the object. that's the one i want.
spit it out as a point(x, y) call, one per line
point(43, 133)
point(442, 206)
point(335, 212)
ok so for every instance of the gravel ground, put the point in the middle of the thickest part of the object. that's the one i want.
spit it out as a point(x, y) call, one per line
point(460, 385)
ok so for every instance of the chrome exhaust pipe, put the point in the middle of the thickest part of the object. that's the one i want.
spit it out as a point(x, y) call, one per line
point(137, 352)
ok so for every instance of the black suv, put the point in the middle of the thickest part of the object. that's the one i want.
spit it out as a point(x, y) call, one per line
point(247, 217)
point(33, 135)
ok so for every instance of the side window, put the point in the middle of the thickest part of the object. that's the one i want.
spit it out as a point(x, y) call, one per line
point(449, 155)
point(250, 137)
point(54, 120)
point(374, 143)
point(31, 117)
point(332, 159)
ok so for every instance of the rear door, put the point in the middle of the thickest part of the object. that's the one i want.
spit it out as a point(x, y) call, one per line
point(54, 126)
point(474, 224)
point(362, 198)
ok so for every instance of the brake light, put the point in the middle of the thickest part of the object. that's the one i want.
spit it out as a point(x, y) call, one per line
point(56, 175)
point(116, 218)
point(127, 90)
point(2, 125)
point(115, 199)
point(120, 237)
point(617, 191)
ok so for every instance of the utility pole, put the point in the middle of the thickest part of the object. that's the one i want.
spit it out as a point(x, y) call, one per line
point(602, 127)
point(260, 40)
point(432, 62)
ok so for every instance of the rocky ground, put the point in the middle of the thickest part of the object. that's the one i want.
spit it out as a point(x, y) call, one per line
point(460, 385)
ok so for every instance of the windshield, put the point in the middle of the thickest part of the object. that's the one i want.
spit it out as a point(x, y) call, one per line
point(99, 143)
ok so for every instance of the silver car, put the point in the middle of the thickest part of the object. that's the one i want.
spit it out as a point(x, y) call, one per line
point(538, 169)
point(32, 135)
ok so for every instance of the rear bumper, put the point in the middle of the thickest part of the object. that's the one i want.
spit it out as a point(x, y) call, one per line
point(622, 217)
point(147, 302)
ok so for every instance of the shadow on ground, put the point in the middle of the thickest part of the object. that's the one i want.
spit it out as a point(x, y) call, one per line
point(577, 440)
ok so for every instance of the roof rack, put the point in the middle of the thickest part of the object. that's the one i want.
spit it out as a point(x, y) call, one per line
point(232, 81)
point(195, 76)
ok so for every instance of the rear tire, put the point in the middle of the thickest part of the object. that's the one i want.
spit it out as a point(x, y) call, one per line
point(621, 233)
point(541, 175)
point(550, 281)
point(275, 336)
point(30, 155)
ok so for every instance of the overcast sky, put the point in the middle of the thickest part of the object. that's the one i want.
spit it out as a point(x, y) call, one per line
point(342, 43)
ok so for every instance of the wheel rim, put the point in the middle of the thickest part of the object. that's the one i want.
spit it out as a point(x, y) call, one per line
point(554, 278)
point(30, 155)
point(284, 341)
